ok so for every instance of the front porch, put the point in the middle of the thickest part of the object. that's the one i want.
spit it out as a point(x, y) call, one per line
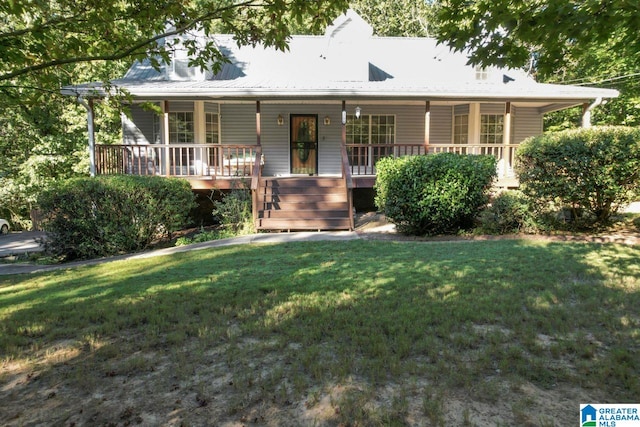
point(221, 166)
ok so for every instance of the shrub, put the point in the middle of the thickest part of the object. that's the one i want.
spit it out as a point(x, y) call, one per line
point(94, 217)
point(591, 173)
point(433, 194)
point(509, 212)
point(234, 211)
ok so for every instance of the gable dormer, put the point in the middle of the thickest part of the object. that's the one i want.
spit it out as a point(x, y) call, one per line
point(346, 55)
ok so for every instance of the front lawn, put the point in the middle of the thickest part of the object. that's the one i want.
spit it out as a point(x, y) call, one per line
point(326, 333)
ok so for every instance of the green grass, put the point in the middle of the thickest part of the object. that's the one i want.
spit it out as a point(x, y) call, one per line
point(383, 333)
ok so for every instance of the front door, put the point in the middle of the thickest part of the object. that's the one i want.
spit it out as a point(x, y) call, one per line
point(304, 144)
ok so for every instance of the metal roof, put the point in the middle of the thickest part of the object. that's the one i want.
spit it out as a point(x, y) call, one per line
point(347, 62)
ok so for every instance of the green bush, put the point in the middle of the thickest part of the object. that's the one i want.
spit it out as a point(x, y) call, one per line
point(93, 217)
point(234, 211)
point(434, 194)
point(590, 173)
point(508, 212)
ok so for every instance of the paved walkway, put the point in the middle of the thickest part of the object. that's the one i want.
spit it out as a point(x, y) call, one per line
point(20, 243)
point(24, 268)
point(370, 227)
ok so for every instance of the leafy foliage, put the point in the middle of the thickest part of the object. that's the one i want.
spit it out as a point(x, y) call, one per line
point(508, 212)
point(38, 36)
point(93, 217)
point(47, 45)
point(595, 170)
point(400, 18)
point(503, 32)
point(234, 211)
point(434, 194)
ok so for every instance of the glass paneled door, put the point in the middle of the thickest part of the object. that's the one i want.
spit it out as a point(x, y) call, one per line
point(304, 144)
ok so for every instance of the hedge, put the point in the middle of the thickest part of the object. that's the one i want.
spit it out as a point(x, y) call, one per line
point(441, 193)
point(94, 217)
point(590, 172)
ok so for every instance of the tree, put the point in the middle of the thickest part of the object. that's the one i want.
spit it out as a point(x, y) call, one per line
point(50, 44)
point(548, 32)
point(38, 36)
point(399, 18)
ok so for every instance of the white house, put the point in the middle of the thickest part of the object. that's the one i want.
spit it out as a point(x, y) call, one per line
point(326, 109)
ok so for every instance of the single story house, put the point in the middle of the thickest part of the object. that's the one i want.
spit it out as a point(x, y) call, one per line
point(306, 126)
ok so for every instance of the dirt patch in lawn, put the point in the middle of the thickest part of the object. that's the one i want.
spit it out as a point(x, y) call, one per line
point(69, 386)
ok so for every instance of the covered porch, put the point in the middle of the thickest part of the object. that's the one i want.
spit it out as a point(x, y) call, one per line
point(409, 128)
point(219, 165)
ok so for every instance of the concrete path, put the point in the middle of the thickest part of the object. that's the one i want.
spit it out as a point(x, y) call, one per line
point(20, 242)
point(24, 268)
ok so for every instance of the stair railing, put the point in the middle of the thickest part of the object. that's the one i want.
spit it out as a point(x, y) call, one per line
point(256, 177)
point(348, 179)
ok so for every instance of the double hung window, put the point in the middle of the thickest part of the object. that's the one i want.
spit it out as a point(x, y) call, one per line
point(377, 131)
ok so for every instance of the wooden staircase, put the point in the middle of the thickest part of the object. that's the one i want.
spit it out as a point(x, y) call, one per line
point(303, 203)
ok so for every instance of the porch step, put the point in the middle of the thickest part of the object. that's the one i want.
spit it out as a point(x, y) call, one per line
point(303, 203)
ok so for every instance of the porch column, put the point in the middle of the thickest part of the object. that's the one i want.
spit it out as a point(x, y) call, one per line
point(506, 140)
point(344, 123)
point(88, 105)
point(258, 124)
point(427, 125)
point(164, 134)
point(92, 139)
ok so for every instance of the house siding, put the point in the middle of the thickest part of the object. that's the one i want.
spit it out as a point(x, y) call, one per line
point(492, 108)
point(526, 122)
point(138, 129)
point(441, 124)
point(211, 107)
point(181, 106)
point(238, 123)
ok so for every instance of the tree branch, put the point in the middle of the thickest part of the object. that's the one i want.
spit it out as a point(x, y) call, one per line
point(131, 50)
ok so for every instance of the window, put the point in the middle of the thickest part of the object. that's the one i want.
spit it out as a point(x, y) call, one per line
point(491, 128)
point(373, 130)
point(181, 128)
point(481, 73)
point(212, 130)
point(181, 131)
point(461, 129)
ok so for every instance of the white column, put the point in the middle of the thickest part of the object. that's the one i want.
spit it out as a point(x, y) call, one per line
point(506, 140)
point(474, 123)
point(427, 126)
point(164, 133)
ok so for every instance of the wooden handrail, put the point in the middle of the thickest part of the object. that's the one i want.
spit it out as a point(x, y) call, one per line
point(256, 175)
point(348, 179)
point(346, 168)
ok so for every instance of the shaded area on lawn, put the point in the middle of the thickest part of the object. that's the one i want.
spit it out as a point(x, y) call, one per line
point(267, 332)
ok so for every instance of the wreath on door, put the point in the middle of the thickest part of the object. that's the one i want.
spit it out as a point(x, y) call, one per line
point(303, 142)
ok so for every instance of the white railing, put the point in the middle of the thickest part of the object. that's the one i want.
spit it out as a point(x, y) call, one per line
point(363, 157)
point(182, 160)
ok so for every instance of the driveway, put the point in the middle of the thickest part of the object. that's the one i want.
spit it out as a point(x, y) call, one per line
point(20, 242)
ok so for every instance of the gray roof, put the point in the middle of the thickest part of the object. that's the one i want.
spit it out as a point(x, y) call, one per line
point(346, 63)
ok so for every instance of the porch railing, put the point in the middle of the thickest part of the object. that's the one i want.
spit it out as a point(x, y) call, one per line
point(363, 157)
point(182, 160)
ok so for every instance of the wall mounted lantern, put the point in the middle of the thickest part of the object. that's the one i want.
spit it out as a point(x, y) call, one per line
point(327, 120)
point(358, 111)
point(280, 120)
